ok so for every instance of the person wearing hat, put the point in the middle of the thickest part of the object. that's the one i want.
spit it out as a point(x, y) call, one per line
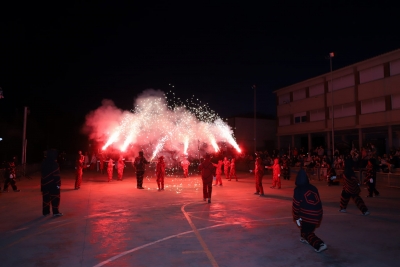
point(207, 173)
point(9, 177)
point(307, 211)
point(140, 166)
point(160, 173)
point(370, 178)
point(351, 189)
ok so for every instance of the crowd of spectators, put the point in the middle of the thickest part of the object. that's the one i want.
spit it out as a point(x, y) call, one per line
point(319, 157)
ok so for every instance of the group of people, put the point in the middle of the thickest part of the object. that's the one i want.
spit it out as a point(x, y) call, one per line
point(307, 208)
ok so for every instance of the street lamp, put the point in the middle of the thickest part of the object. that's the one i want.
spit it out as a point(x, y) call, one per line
point(255, 120)
point(331, 55)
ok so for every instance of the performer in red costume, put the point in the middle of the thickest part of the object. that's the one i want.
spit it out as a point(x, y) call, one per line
point(185, 166)
point(226, 167)
point(259, 173)
point(110, 169)
point(276, 174)
point(120, 168)
point(160, 173)
point(218, 173)
point(232, 173)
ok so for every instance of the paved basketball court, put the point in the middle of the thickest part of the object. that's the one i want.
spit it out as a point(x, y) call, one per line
point(115, 224)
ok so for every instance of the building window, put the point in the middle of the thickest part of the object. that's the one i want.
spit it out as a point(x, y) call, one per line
point(299, 94)
point(373, 105)
point(316, 90)
point(300, 117)
point(284, 99)
point(283, 121)
point(341, 82)
point(345, 110)
point(395, 101)
point(371, 74)
point(317, 115)
point(395, 67)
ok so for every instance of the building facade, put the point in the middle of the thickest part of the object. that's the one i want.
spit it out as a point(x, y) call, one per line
point(366, 107)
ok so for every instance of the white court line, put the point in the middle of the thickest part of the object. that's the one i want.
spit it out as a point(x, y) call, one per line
point(178, 235)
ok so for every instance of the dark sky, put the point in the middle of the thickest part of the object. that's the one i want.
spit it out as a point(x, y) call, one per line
point(68, 57)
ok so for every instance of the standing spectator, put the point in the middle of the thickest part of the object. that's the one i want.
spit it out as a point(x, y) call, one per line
point(285, 168)
point(351, 189)
point(307, 211)
point(140, 166)
point(110, 169)
point(50, 184)
point(160, 173)
point(218, 173)
point(207, 172)
point(185, 166)
point(232, 173)
point(79, 170)
point(370, 178)
point(93, 162)
point(101, 163)
point(226, 167)
point(276, 174)
point(258, 174)
point(9, 177)
point(120, 167)
point(86, 162)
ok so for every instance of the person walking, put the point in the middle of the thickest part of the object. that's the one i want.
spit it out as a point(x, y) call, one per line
point(258, 174)
point(9, 177)
point(207, 172)
point(307, 211)
point(140, 166)
point(51, 184)
point(160, 173)
point(351, 189)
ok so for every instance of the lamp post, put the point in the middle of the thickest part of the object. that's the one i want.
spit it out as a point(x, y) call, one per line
point(255, 119)
point(23, 158)
point(331, 55)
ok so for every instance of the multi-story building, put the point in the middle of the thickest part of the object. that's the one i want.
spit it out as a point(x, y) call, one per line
point(366, 107)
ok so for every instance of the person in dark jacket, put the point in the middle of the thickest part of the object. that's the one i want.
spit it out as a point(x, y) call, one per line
point(351, 189)
point(307, 211)
point(207, 173)
point(50, 184)
point(9, 177)
point(140, 166)
point(370, 178)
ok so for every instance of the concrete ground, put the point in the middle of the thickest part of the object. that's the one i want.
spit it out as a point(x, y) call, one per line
point(115, 224)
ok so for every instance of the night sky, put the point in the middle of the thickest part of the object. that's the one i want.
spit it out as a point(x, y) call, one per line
point(62, 60)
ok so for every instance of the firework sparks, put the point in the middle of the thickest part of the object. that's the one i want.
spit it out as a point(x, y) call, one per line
point(160, 122)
